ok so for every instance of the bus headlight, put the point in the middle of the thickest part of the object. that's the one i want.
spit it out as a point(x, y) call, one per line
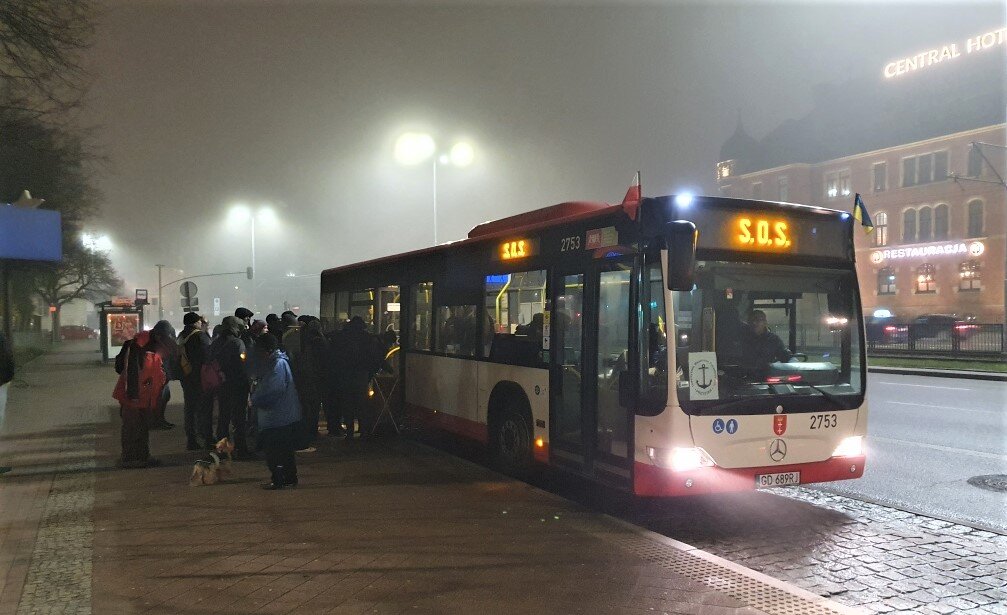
point(850, 447)
point(680, 459)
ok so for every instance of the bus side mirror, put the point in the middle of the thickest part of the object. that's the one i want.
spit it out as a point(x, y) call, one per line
point(681, 236)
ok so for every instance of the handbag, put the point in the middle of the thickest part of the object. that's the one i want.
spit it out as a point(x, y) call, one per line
point(211, 376)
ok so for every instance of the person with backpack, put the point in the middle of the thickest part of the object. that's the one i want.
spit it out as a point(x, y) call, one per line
point(355, 357)
point(228, 353)
point(278, 414)
point(139, 389)
point(194, 350)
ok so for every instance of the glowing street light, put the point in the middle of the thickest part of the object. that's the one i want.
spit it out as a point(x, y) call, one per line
point(414, 148)
point(240, 214)
point(96, 243)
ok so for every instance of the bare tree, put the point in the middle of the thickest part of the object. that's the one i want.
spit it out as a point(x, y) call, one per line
point(40, 44)
point(81, 275)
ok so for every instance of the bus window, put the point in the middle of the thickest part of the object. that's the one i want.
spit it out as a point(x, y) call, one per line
point(326, 311)
point(389, 309)
point(342, 308)
point(780, 333)
point(457, 330)
point(515, 304)
point(654, 341)
point(421, 333)
point(362, 305)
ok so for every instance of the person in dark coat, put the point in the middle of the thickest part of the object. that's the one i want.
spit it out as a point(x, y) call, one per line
point(6, 375)
point(313, 359)
point(166, 346)
point(194, 350)
point(355, 356)
point(278, 414)
point(760, 346)
point(230, 353)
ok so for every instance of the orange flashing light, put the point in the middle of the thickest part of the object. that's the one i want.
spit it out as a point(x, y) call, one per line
point(539, 442)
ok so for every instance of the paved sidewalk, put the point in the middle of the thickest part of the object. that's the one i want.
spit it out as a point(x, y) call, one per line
point(387, 526)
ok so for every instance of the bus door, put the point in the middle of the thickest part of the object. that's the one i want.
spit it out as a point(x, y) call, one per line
point(590, 329)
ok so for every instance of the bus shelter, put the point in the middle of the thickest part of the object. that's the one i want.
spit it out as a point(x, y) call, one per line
point(118, 322)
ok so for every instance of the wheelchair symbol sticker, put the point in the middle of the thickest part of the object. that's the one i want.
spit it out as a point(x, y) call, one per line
point(718, 426)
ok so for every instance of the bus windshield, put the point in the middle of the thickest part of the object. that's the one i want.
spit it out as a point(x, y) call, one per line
point(750, 337)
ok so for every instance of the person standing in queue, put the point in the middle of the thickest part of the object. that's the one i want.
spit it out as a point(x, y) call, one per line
point(314, 353)
point(165, 345)
point(194, 349)
point(230, 353)
point(278, 413)
point(356, 356)
point(138, 391)
point(6, 375)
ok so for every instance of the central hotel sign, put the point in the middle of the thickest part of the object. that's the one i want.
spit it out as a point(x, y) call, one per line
point(944, 53)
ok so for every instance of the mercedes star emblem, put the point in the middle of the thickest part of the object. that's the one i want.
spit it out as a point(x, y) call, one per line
point(777, 450)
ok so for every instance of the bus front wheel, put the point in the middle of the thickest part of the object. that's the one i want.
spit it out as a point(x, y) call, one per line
point(512, 443)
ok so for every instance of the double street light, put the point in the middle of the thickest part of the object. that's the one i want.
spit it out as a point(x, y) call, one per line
point(415, 148)
point(240, 214)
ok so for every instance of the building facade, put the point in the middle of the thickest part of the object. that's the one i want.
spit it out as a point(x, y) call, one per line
point(927, 155)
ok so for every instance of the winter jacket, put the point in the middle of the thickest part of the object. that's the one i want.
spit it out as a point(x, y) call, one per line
point(196, 346)
point(6, 362)
point(275, 396)
point(354, 356)
point(230, 353)
point(141, 374)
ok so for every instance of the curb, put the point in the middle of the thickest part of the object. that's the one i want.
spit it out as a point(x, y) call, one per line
point(939, 373)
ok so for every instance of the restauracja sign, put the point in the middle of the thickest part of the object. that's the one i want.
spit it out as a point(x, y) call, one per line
point(976, 248)
point(943, 53)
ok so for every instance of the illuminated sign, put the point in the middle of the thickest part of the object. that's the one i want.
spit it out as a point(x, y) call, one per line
point(943, 53)
point(755, 233)
point(517, 249)
point(975, 248)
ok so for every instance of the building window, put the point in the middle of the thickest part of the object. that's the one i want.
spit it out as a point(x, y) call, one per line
point(724, 169)
point(941, 222)
point(926, 228)
point(837, 184)
point(880, 176)
point(975, 161)
point(784, 185)
point(757, 190)
point(925, 168)
point(925, 282)
point(421, 331)
point(970, 275)
point(909, 226)
point(886, 281)
point(975, 225)
point(881, 229)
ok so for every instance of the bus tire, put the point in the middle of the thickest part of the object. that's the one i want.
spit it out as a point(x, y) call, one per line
point(511, 442)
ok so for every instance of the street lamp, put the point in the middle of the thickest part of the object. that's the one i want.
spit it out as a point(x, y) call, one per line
point(240, 214)
point(96, 243)
point(414, 148)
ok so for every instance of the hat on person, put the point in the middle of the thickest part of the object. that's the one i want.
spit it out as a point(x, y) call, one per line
point(258, 327)
point(243, 313)
point(191, 318)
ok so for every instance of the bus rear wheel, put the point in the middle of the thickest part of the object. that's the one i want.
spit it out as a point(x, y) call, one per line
point(511, 441)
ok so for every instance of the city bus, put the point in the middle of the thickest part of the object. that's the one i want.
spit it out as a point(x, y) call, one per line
point(616, 341)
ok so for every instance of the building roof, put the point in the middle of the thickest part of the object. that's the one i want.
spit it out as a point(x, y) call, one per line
point(875, 113)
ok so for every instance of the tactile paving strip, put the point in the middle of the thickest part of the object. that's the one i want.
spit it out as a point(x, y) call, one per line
point(749, 590)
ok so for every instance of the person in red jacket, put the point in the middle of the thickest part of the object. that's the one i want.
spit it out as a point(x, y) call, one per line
point(138, 391)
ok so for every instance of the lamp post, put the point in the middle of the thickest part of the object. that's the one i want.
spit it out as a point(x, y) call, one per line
point(239, 214)
point(414, 148)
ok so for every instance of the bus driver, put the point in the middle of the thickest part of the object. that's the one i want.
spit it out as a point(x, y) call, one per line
point(760, 346)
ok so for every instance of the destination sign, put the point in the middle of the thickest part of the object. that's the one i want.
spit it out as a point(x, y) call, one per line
point(762, 233)
point(516, 249)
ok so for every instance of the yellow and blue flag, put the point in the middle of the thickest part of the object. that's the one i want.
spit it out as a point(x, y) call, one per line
point(860, 214)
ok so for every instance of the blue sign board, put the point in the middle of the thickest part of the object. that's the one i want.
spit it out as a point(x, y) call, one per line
point(30, 234)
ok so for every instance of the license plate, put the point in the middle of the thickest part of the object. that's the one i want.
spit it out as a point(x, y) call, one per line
point(781, 479)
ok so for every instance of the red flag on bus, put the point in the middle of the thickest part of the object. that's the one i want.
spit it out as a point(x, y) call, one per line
point(631, 202)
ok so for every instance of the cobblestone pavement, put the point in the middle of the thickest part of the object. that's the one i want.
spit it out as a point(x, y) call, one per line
point(858, 553)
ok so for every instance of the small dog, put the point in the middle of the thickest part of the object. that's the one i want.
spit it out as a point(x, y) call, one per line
point(217, 467)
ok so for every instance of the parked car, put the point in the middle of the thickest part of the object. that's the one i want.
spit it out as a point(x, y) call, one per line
point(938, 325)
point(77, 332)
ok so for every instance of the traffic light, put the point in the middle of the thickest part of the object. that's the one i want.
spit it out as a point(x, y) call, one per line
point(250, 273)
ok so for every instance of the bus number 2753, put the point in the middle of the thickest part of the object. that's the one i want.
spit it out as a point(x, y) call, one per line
point(824, 421)
point(569, 243)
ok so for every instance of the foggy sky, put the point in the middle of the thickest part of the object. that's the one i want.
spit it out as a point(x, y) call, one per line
point(199, 105)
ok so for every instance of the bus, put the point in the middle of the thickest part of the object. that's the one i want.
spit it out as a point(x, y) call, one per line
point(616, 341)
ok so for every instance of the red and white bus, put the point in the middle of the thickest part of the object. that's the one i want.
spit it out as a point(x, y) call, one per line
point(613, 341)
